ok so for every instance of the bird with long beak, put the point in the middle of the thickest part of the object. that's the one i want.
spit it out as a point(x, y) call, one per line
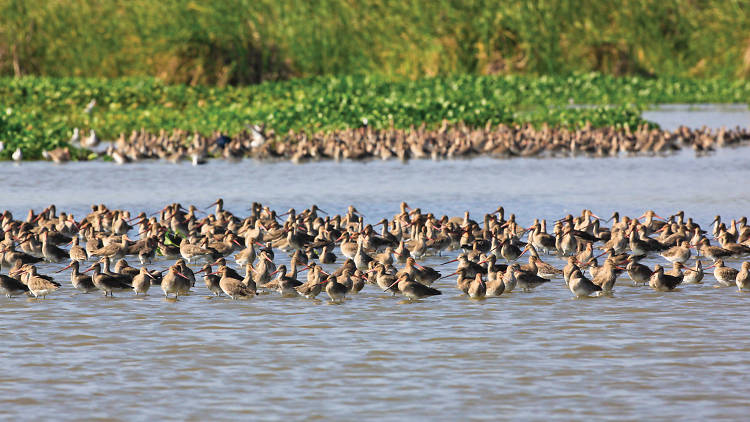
point(142, 281)
point(174, 282)
point(412, 289)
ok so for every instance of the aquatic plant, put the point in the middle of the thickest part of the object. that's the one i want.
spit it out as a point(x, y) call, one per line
point(41, 113)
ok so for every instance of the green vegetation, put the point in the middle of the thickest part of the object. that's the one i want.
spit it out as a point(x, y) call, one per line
point(40, 113)
point(247, 41)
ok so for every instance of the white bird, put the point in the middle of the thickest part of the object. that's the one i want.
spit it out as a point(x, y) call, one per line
point(258, 137)
point(18, 155)
point(2, 146)
point(92, 140)
point(76, 138)
point(90, 107)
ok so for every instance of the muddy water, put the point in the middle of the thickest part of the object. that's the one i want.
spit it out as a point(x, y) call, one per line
point(540, 355)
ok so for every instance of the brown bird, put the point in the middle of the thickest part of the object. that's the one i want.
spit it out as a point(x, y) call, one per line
point(142, 281)
point(335, 290)
point(726, 276)
point(106, 282)
point(233, 287)
point(663, 282)
point(9, 286)
point(743, 277)
point(477, 288)
point(175, 283)
point(39, 286)
point(80, 281)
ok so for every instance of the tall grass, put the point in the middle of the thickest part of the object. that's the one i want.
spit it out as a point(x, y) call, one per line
point(248, 41)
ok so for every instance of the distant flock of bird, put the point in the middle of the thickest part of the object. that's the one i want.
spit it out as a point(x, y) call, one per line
point(239, 256)
point(365, 143)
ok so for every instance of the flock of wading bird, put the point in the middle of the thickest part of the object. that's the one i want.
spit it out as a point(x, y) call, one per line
point(369, 256)
point(448, 141)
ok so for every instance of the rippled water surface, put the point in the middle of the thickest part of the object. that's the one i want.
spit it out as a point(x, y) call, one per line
point(541, 355)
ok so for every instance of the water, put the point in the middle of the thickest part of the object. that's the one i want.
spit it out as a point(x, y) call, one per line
point(541, 355)
point(672, 116)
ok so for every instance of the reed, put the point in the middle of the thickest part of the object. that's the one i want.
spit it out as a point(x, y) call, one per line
point(247, 41)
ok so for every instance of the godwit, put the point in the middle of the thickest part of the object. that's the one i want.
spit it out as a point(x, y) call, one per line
point(233, 287)
point(248, 281)
point(345, 277)
point(402, 252)
point(494, 271)
point(175, 283)
point(384, 280)
point(386, 257)
point(737, 249)
point(347, 246)
point(510, 251)
point(221, 262)
point(327, 256)
point(285, 284)
point(462, 281)
point(713, 252)
point(185, 271)
point(680, 253)
point(638, 246)
point(76, 252)
point(39, 286)
point(361, 258)
point(113, 251)
point(606, 276)
point(694, 275)
point(543, 269)
point(413, 290)
point(245, 256)
point(358, 282)
point(9, 286)
point(335, 290)
point(528, 281)
point(105, 282)
point(418, 246)
point(743, 277)
point(676, 271)
point(509, 277)
point(651, 224)
point(80, 281)
point(663, 282)
point(581, 286)
point(11, 255)
point(51, 252)
point(586, 254)
point(211, 280)
point(495, 287)
point(122, 267)
point(569, 268)
point(542, 240)
point(142, 281)
point(725, 276)
point(470, 267)
point(565, 243)
point(639, 273)
point(192, 252)
point(313, 286)
point(477, 288)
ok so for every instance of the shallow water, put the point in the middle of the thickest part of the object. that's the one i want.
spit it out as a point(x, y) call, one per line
point(672, 116)
point(540, 355)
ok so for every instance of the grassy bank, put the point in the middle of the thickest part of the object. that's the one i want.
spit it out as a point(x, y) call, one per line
point(40, 113)
point(248, 41)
